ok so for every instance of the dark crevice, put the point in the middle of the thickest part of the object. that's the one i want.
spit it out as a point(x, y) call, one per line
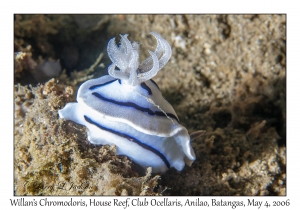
point(224, 26)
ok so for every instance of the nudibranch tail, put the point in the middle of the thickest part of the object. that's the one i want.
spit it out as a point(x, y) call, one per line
point(126, 58)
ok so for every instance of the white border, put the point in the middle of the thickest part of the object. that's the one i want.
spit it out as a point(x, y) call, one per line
point(153, 6)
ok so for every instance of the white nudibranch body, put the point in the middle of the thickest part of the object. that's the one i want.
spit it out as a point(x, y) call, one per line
point(126, 108)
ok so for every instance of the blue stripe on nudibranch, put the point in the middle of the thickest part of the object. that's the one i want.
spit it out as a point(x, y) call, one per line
point(133, 105)
point(106, 83)
point(132, 139)
point(144, 86)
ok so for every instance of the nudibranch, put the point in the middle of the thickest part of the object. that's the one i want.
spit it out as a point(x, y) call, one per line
point(127, 109)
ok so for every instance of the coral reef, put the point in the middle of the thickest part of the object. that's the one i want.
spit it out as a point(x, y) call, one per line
point(227, 75)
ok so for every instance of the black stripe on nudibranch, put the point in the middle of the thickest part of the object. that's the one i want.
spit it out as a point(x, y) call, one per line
point(100, 85)
point(133, 105)
point(144, 86)
point(132, 139)
point(154, 83)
